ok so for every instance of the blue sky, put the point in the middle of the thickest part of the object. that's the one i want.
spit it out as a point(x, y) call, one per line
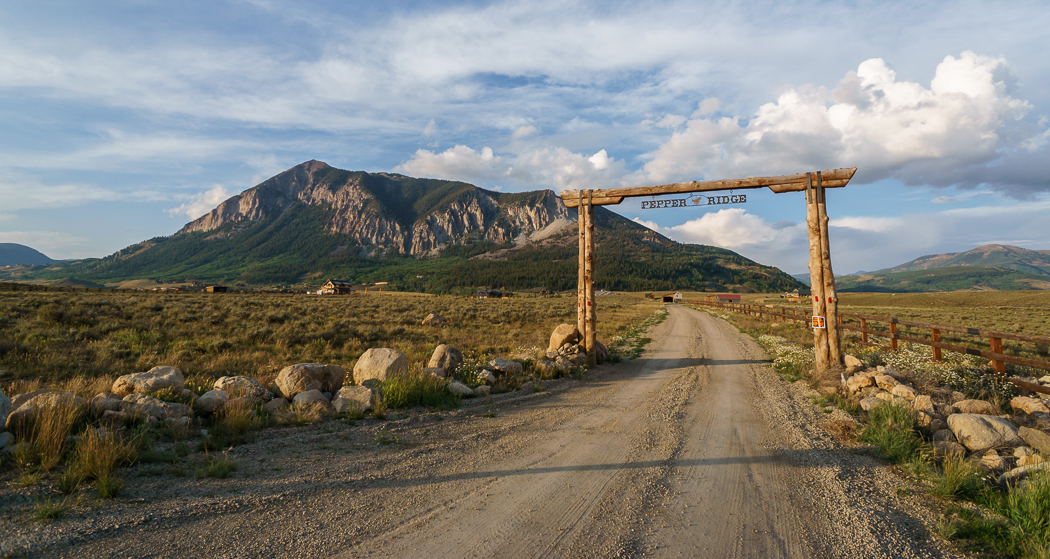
point(121, 121)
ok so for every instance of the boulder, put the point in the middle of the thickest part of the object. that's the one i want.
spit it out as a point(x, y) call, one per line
point(1036, 439)
point(563, 334)
point(274, 405)
point(976, 406)
point(211, 401)
point(181, 422)
point(447, 358)
point(992, 461)
point(506, 366)
point(563, 365)
point(244, 386)
point(1023, 452)
point(1029, 405)
point(903, 391)
point(105, 401)
point(486, 376)
point(483, 390)
point(545, 367)
point(459, 389)
point(153, 380)
point(20, 399)
point(938, 424)
point(435, 372)
point(948, 448)
point(115, 419)
point(856, 382)
point(141, 404)
point(348, 397)
point(944, 435)
point(378, 364)
point(923, 404)
point(5, 407)
point(979, 432)
point(923, 419)
point(601, 353)
point(6, 439)
point(853, 364)
point(23, 415)
point(870, 402)
point(310, 398)
point(1017, 474)
point(1029, 460)
point(433, 319)
point(303, 377)
point(886, 382)
point(884, 396)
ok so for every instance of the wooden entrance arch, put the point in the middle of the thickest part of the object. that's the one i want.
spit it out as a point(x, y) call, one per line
point(822, 279)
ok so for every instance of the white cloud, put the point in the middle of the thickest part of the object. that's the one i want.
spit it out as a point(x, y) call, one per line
point(202, 203)
point(55, 244)
point(20, 194)
point(524, 132)
point(430, 129)
point(875, 224)
point(888, 128)
point(730, 228)
point(545, 167)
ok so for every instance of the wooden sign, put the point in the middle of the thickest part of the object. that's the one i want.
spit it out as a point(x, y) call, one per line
point(818, 322)
point(693, 202)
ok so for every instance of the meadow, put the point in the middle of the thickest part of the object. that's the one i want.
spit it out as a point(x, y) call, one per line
point(56, 336)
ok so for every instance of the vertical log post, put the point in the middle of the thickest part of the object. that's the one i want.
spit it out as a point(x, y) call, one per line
point(893, 334)
point(816, 276)
point(997, 347)
point(591, 316)
point(581, 297)
point(832, 300)
point(864, 328)
point(935, 335)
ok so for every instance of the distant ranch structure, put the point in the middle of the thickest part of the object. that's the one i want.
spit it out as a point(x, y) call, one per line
point(723, 298)
point(336, 287)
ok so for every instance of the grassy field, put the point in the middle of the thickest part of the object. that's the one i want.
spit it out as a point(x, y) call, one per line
point(48, 335)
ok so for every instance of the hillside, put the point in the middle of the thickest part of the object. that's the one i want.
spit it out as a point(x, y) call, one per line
point(988, 256)
point(13, 254)
point(313, 222)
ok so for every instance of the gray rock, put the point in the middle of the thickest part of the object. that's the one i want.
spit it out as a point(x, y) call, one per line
point(313, 398)
point(349, 397)
point(303, 377)
point(948, 448)
point(870, 402)
point(563, 334)
point(992, 461)
point(1029, 405)
point(446, 358)
point(274, 405)
point(433, 319)
point(979, 432)
point(938, 424)
point(886, 382)
point(141, 404)
point(506, 366)
point(483, 390)
point(944, 435)
point(6, 440)
point(211, 401)
point(153, 380)
point(105, 401)
point(379, 364)
point(238, 386)
point(976, 406)
point(20, 399)
point(487, 377)
point(563, 365)
point(852, 364)
point(903, 391)
point(24, 414)
point(923, 404)
point(1036, 439)
point(436, 372)
point(1017, 474)
point(545, 367)
point(460, 389)
point(857, 382)
point(114, 419)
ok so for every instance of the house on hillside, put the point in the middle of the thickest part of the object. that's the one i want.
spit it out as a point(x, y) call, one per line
point(723, 298)
point(336, 287)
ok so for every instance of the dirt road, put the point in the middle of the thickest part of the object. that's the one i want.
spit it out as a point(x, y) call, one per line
point(695, 450)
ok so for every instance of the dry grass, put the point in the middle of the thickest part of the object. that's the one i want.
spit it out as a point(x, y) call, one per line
point(44, 435)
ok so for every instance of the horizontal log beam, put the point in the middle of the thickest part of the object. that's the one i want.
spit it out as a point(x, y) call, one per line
point(833, 178)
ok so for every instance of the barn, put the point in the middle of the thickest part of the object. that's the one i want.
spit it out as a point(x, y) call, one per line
point(336, 287)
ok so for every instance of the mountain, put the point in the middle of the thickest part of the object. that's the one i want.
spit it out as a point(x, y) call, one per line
point(313, 222)
point(988, 267)
point(1036, 262)
point(13, 254)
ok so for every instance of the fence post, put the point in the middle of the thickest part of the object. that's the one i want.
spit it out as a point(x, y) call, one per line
point(864, 326)
point(997, 347)
point(893, 333)
point(936, 335)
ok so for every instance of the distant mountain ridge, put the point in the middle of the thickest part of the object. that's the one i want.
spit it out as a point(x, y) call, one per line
point(987, 267)
point(313, 222)
point(14, 254)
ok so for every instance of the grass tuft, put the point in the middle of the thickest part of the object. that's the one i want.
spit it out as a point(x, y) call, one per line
point(958, 479)
point(50, 508)
point(219, 467)
point(418, 388)
point(891, 427)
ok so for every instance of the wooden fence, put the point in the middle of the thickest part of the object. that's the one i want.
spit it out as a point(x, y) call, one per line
point(914, 332)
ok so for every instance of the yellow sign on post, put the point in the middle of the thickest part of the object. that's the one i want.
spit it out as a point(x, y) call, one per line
point(818, 322)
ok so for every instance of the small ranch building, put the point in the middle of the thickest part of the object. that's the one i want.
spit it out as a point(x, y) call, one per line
point(336, 287)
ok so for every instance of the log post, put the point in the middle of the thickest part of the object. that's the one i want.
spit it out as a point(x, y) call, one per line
point(816, 276)
point(997, 347)
point(832, 300)
point(893, 334)
point(591, 317)
point(864, 328)
point(581, 297)
point(935, 335)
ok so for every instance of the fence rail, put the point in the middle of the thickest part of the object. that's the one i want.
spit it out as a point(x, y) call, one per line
point(859, 323)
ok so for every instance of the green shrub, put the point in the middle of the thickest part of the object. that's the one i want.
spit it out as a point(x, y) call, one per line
point(891, 427)
point(958, 479)
point(418, 388)
point(219, 467)
point(1028, 509)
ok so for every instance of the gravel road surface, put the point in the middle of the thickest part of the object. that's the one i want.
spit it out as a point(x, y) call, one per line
point(697, 449)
